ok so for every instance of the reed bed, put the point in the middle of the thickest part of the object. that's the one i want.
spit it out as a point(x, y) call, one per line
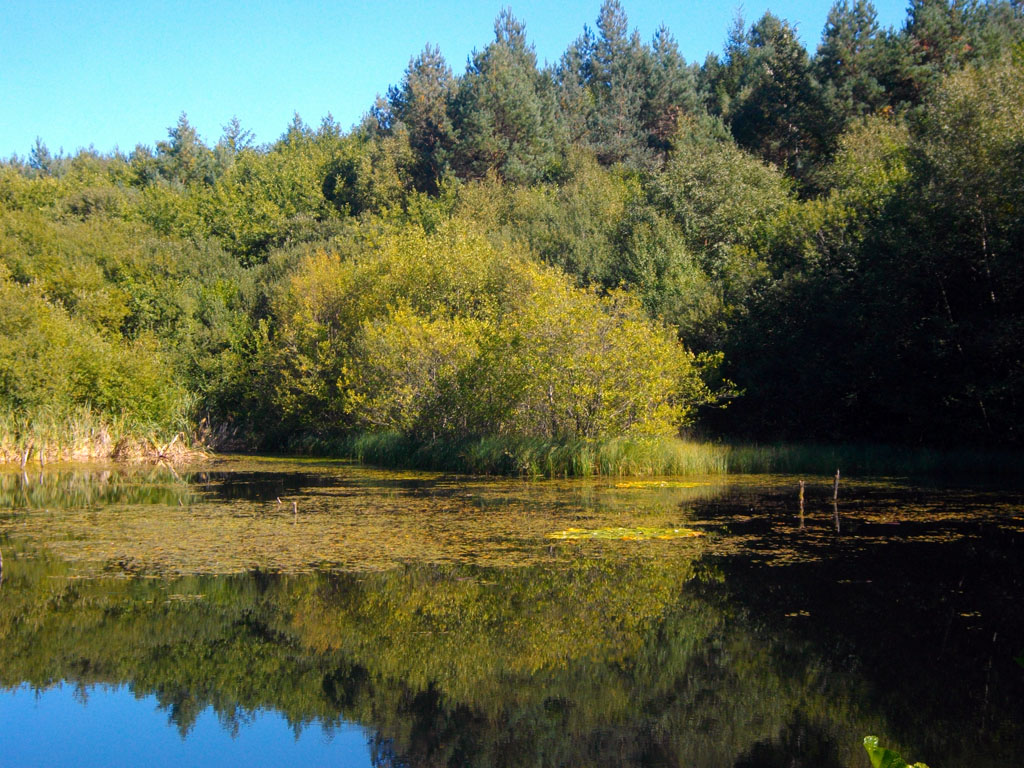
point(639, 457)
point(85, 435)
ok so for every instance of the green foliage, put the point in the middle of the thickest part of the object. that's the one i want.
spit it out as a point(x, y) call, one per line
point(185, 159)
point(839, 231)
point(885, 758)
point(268, 199)
point(775, 111)
point(112, 328)
point(569, 225)
point(445, 336)
point(420, 106)
point(504, 111)
point(850, 66)
point(619, 97)
point(372, 173)
point(52, 363)
point(720, 199)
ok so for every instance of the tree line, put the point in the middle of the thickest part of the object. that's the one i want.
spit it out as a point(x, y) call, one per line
point(768, 244)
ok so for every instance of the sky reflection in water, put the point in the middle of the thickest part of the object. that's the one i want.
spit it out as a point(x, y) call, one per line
point(439, 615)
point(105, 726)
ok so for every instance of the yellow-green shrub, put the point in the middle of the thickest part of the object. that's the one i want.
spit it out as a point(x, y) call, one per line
point(52, 363)
point(443, 335)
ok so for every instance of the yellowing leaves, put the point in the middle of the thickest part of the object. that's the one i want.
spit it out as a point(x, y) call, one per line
point(443, 335)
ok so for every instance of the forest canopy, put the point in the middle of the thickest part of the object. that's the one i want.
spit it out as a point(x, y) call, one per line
point(617, 244)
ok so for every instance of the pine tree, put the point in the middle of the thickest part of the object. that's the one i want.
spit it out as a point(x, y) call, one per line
point(670, 90)
point(775, 109)
point(615, 79)
point(421, 104)
point(934, 42)
point(185, 158)
point(503, 111)
point(848, 64)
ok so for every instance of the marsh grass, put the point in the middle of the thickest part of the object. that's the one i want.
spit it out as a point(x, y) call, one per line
point(640, 457)
point(528, 457)
point(83, 434)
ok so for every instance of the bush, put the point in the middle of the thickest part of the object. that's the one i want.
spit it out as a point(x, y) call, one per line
point(445, 336)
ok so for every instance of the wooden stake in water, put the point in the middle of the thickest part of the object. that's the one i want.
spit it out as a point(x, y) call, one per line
point(801, 503)
point(835, 501)
point(295, 512)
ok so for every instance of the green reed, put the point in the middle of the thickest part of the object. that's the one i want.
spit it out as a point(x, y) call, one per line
point(82, 433)
point(654, 456)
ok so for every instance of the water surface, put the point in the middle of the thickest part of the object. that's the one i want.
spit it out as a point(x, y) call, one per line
point(317, 613)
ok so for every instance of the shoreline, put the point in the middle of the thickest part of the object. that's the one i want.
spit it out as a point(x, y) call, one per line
point(126, 450)
point(543, 458)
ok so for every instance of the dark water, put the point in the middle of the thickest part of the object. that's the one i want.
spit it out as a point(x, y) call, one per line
point(298, 613)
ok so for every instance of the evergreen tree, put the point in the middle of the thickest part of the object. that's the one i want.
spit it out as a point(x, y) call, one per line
point(572, 77)
point(233, 141)
point(670, 90)
point(236, 138)
point(503, 111)
point(721, 80)
point(616, 83)
point(421, 105)
point(848, 64)
point(934, 42)
point(620, 97)
point(40, 159)
point(185, 158)
point(775, 110)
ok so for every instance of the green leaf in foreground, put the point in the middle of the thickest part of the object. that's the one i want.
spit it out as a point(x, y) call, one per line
point(885, 758)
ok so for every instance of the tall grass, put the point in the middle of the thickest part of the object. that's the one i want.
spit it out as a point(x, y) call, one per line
point(83, 434)
point(658, 456)
point(532, 457)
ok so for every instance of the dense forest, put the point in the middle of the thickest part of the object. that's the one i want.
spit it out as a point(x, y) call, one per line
point(772, 244)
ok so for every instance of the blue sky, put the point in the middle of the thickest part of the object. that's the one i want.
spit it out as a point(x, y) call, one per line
point(119, 72)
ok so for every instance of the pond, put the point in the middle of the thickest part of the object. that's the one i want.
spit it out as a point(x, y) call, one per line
point(295, 612)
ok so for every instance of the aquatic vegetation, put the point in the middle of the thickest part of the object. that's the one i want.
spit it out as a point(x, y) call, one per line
point(626, 534)
point(885, 758)
point(296, 516)
point(79, 434)
point(531, 457)
point(661, 457)
point(332, 592)
point(659, 484)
